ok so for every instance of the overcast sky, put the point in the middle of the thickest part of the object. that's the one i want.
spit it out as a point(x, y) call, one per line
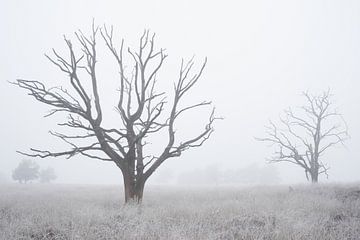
point(261, 56)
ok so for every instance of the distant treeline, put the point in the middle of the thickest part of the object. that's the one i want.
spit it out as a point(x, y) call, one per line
point(213, 175)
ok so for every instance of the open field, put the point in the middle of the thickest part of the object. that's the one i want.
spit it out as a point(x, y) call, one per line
point(35, 211)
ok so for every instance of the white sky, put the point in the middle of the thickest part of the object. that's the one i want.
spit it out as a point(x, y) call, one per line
point(262, 55)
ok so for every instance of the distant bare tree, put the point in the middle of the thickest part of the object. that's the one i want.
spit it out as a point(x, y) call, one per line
point(303, 137)
point(27, 170)
point(139, 105)
point(47, 175)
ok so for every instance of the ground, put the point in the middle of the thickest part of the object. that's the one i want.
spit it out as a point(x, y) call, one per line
point(35, 211)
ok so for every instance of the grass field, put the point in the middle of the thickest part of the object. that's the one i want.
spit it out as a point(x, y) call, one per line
point(35, 211)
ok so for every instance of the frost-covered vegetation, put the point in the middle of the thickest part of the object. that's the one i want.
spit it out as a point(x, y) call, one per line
point(34, 211)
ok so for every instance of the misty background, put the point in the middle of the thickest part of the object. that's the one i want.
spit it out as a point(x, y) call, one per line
point(261, 56)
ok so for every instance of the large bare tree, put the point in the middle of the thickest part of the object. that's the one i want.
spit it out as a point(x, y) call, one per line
point(140, 106)
point(303, 137)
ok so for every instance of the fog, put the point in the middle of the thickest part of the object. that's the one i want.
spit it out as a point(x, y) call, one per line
point(261, 56)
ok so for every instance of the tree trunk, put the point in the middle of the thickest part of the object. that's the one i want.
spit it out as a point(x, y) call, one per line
point(133, 190)
point(314, 176)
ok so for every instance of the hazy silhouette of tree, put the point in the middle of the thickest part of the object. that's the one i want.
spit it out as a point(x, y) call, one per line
point(47, 175)
point(27, 170)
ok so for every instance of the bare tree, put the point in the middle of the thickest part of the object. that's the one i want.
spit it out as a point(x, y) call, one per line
point(303, 137)
point(140, 106)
